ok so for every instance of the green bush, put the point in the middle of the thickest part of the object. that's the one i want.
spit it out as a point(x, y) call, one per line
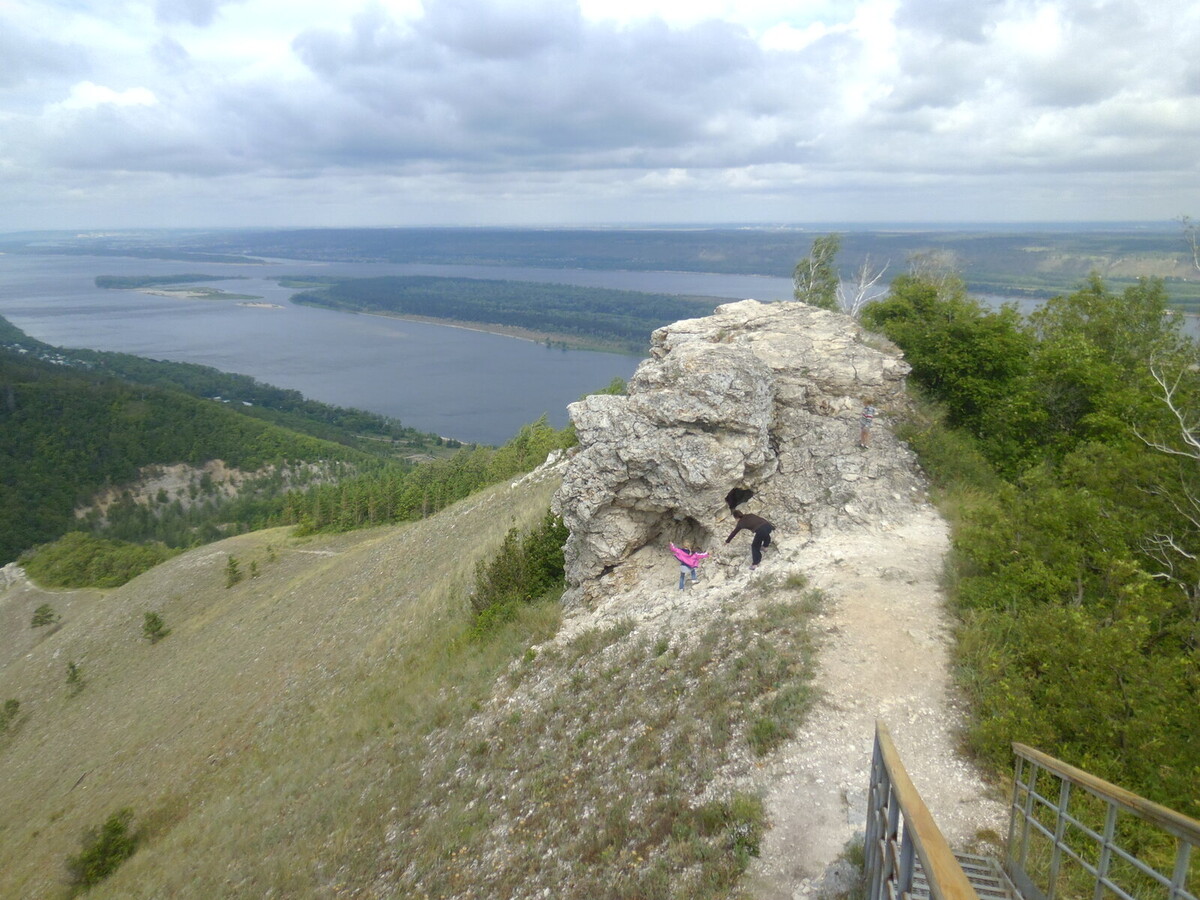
point(44, 615)
point(153, 628)
point(104, 849)
point(74, 677)
point(9, 713)
point(233, 572)
point(1070, 476)
point(78, 560)
point(526, 568)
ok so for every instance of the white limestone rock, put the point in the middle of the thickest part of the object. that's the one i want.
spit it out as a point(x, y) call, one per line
point(761, 398)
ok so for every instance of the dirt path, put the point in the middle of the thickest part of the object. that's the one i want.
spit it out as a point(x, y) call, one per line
point(884, 656)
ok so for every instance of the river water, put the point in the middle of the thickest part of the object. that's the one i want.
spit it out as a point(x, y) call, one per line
point(451, 381)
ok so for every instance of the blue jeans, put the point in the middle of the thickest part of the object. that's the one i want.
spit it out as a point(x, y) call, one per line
point(684, 568)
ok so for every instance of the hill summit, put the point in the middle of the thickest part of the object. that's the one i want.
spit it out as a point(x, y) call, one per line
point(757, 407)
point(332, 722)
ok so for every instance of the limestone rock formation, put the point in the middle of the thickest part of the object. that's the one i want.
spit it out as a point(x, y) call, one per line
point(757, 407)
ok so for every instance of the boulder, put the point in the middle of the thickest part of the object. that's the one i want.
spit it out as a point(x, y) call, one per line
point(756, 407)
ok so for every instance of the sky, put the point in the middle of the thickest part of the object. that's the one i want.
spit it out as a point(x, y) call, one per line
point(119, 114)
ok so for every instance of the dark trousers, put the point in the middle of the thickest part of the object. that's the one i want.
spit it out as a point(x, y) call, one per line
point(762, 538)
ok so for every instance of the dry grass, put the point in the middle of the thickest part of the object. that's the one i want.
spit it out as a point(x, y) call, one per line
point(329, 729)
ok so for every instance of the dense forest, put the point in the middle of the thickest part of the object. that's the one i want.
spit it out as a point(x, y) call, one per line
point(66, 433)
point(590, 317)
point(382, 497)
point(75, 422)
point(1067, 449)
point(363, 430)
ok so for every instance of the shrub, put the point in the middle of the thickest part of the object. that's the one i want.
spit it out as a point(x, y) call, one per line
point(44, 615)
point(74, 677)
point(78, 560)
point(153, 628)
point(104, 849)
point(9, 713)
point(233, 572)
point(526, 568)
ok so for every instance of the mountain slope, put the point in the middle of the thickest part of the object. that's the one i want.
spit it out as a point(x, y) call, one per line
point(66, 433)
point(257, 744)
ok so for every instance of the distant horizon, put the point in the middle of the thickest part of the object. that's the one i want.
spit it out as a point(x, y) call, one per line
point(1164, 225)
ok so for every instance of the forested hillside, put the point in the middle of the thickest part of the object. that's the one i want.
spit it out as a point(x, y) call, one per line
point(1068, 449)
point(66, 432)
point(588, 317)
point(245, 395)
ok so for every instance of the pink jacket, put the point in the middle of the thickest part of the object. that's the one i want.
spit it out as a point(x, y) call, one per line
point(688, 559)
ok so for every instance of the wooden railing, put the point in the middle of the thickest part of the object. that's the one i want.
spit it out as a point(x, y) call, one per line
point(1073, 836)
point(899, 828)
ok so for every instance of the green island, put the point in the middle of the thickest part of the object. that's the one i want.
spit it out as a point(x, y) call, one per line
point(568, 315)
point(179, 286)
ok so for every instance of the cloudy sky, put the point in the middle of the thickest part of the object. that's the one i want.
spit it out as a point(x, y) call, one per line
point(153, 113)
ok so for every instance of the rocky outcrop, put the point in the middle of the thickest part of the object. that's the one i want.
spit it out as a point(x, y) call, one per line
point(757, 406)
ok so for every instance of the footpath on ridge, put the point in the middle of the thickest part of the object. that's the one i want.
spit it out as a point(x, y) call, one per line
point(884, 654)
point(759, 407)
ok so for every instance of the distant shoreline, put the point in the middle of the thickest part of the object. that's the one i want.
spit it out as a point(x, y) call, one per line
point(565, 342)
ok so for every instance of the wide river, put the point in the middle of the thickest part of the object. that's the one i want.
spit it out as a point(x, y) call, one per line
point(455, 382)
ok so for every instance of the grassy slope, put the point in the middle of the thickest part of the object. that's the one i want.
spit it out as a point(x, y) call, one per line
point(327, 728)
point(261, 743)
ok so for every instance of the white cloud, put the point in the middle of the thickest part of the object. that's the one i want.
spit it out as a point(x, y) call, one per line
point(86, 95)
point(657, 109)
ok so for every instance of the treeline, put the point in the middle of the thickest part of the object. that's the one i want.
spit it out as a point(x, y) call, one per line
point(386, 496)
point(65, 433)
point(593, 316)
point(1069, 448)
point(132, 282)
point(287, 408)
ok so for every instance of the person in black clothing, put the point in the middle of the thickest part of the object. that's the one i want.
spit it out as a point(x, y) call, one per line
point(762, 534)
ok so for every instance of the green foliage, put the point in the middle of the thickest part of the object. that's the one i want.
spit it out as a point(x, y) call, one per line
point(66, 431)
point(79, 560)
point(392, 495)
point(973, 361)
point(8, 714)
point(526, 568)
point(75, 679)
point(44, 615)
point(592, 316)
point(233, 572)
point(1075, 577)
point(103, 851)
point(815, 278)
point(130, 282)
point(153, 627)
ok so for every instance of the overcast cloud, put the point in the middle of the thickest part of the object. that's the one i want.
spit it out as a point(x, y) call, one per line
point(126, 113)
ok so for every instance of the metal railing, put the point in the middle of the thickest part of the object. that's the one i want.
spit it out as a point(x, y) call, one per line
point(899, 829)
point(1073, 836)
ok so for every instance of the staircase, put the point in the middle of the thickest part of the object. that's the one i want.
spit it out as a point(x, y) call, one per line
point(983, 872)
point(1064, 842)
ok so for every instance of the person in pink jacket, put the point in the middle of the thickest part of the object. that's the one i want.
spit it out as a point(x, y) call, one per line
point(688, 561)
